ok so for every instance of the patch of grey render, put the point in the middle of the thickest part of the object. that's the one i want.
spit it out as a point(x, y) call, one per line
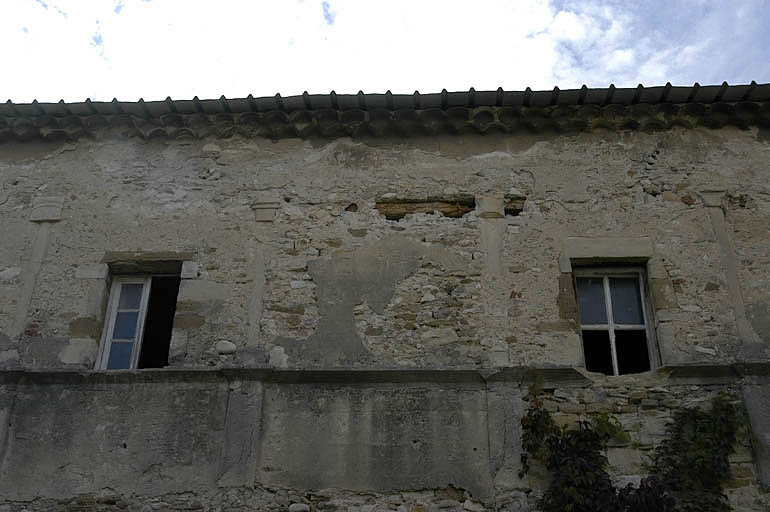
point(375, 437)
point(242, 431)
point(144, 438)
point(367, 275)
point(757, 399)
point(759, 317)
point(505, 410)
point(42, 351)
point(5, 342)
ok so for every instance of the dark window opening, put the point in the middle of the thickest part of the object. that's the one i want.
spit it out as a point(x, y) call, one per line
point(632, 351)
point(159, 323)
point(598, 353)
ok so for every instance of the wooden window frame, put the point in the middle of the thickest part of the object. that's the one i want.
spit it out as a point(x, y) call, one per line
point(111, 315)
point(605, 273)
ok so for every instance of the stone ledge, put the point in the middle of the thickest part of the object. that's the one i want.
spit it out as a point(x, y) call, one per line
point(684, 374)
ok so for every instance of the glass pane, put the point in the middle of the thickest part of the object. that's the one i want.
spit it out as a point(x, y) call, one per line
point(591, 300)
point(596, 347)
point(125, 325)
point(626, 300)
point(130, 295)
point(120, 355)
point(631, 348)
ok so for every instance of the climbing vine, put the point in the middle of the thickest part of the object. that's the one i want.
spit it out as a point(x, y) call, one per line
point(687, 471)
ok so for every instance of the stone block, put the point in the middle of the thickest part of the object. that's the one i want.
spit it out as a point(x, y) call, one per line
point(277, 357)
point(189, 270)
point(178, 347)
point(198, 290)
point(225, 347)
point(625, 461)
point(662, 294)
point(46, 209)
point(490, 206)
point(712, 198)
point(94, 271)
point(265, 207)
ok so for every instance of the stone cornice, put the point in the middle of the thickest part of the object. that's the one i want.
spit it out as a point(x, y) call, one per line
point(550, 376)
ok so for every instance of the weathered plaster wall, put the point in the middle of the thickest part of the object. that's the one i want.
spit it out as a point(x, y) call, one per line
point(261, 440)
point(287, 259)
point(328, 281)
point(143, 437)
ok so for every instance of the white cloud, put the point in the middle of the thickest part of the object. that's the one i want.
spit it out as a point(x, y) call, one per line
point(128, 49)
point(568, 26)
point(620, 59)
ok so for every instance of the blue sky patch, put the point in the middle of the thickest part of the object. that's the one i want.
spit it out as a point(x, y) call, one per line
point(550, 42)
point(329, 15)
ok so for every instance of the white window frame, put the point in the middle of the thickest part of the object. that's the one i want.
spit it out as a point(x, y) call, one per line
point(111, 315)
point(605, 273)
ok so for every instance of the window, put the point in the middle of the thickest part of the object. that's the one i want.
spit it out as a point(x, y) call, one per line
point(613, 320)
point(139, 320)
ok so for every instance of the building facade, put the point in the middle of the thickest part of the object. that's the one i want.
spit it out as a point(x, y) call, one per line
point(341, 302)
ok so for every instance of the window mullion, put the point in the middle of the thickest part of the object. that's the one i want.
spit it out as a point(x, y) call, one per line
point(610, 324)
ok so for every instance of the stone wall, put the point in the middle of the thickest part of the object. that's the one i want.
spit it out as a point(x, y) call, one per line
point(337, 440)
point(291, 257)
point(288, 265)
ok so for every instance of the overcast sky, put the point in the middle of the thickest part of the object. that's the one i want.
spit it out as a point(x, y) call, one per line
point(100, 49)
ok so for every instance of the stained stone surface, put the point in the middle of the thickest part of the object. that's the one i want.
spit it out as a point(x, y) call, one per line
point(287, 259)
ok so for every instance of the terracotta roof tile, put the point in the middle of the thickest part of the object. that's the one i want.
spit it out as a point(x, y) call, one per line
point(362, 114)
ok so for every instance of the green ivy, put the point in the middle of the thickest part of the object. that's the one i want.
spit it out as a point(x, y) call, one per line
point(686, 475)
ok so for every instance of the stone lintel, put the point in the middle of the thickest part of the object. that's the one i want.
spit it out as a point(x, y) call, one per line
point(145, 262)
point(116, 256)
point(590, 250)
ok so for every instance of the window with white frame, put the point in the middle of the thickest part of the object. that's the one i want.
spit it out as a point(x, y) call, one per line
point(139, 320)
point(613, 320)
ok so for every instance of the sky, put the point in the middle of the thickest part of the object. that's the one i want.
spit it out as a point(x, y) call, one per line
point(153, 49)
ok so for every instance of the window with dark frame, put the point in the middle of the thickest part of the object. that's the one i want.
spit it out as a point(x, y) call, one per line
point(139, 321)
point(613, 320)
